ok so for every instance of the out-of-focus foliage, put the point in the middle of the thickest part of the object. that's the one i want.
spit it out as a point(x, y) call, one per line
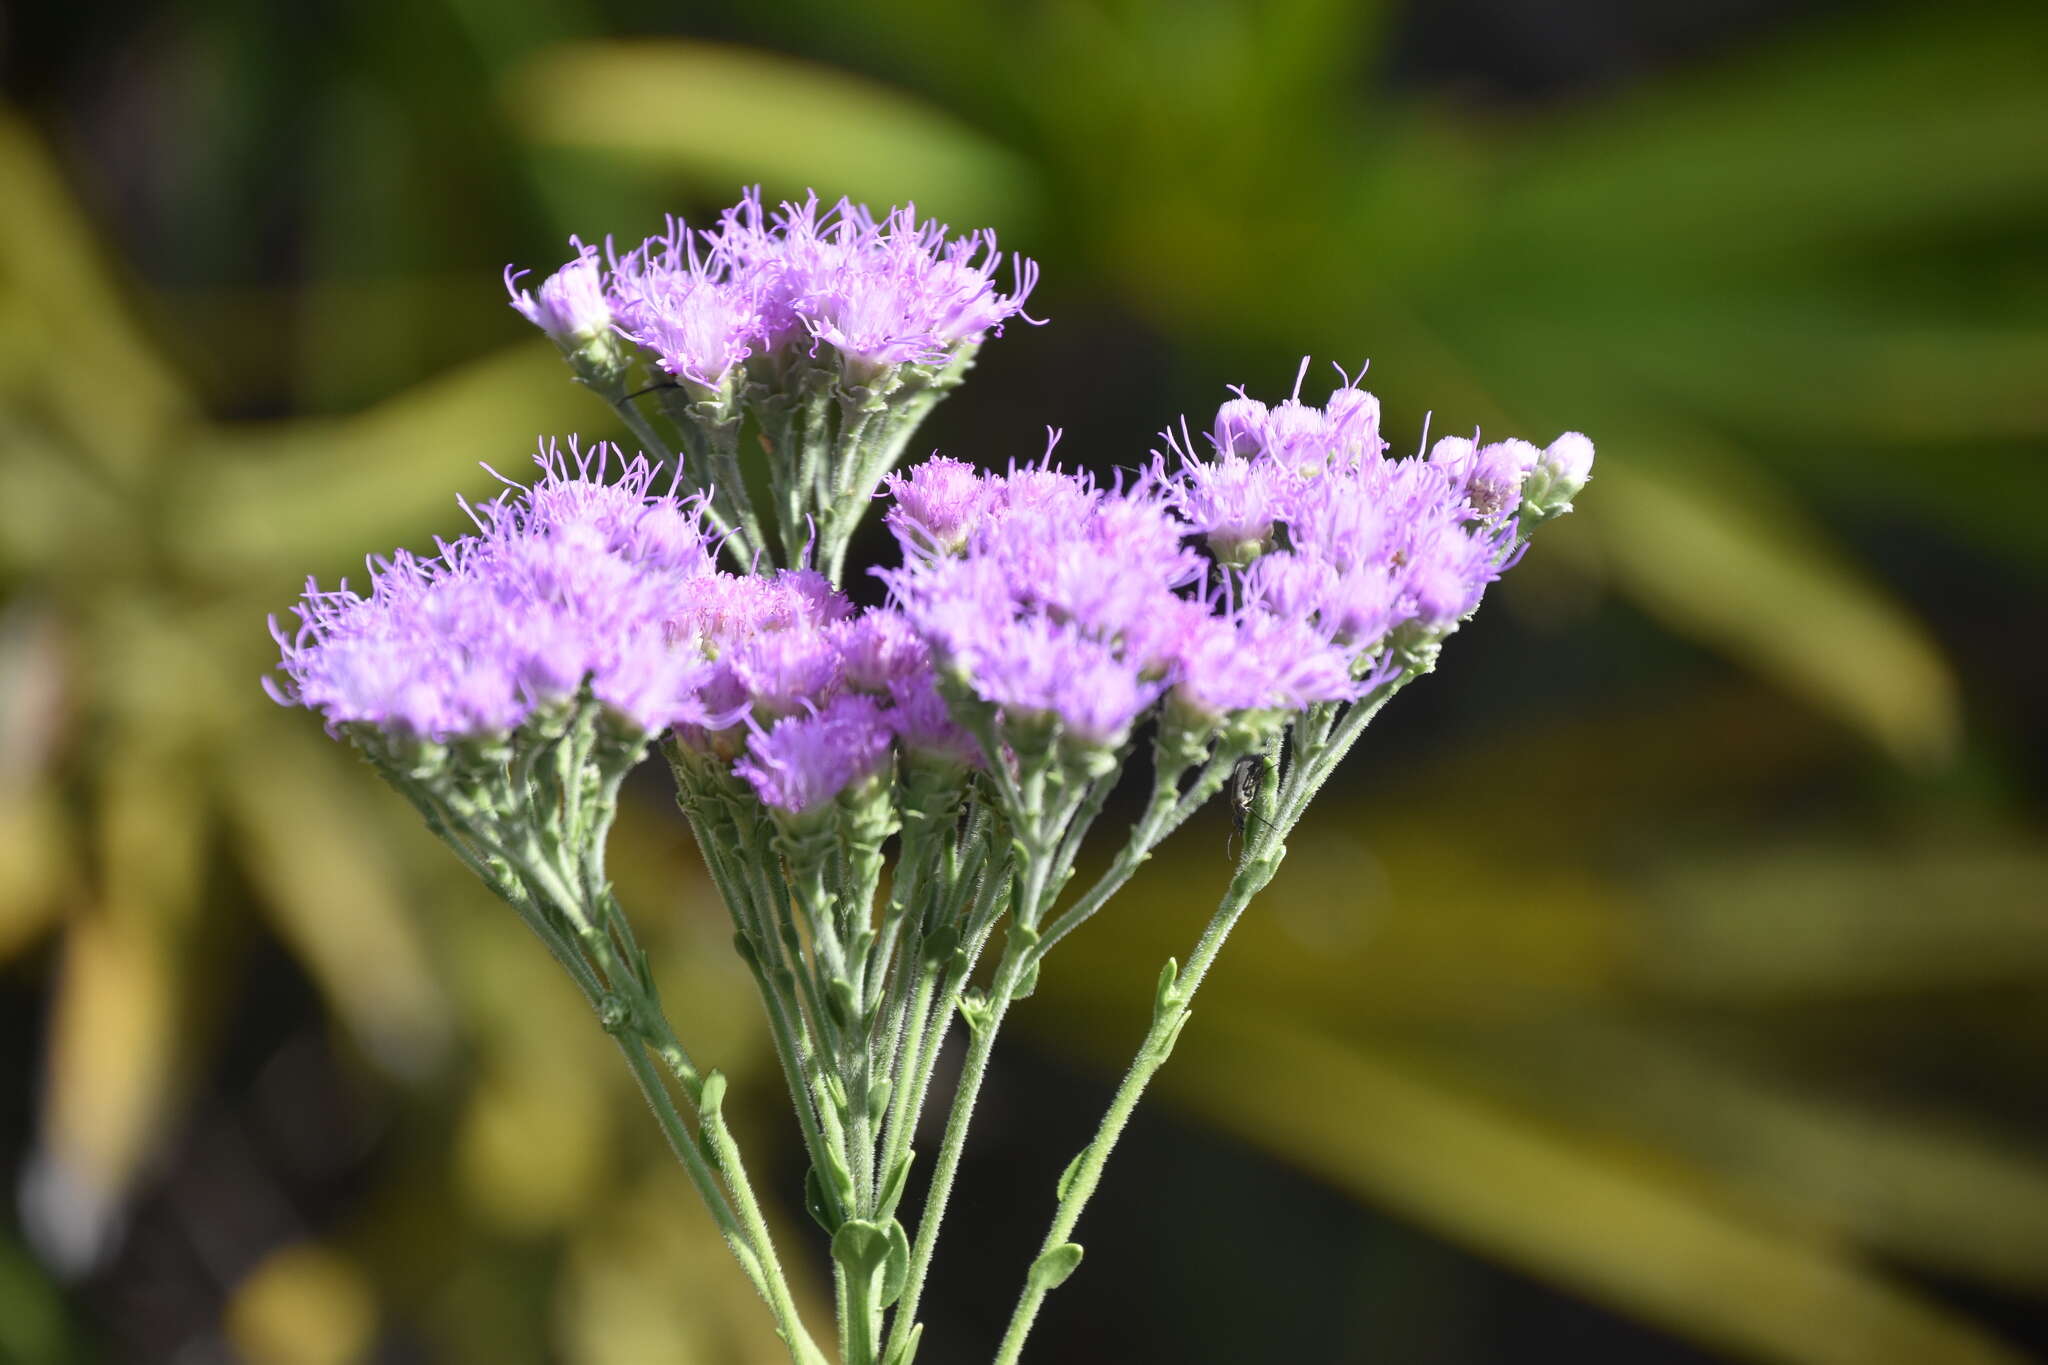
point(1707, 1004)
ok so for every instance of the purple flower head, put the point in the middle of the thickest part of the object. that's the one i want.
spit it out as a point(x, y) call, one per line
point(680, 301)
point(1257, 661)
point(936, 505)
point(722, 609)
point(1053, 608)
point(956, 605)
point(924, 723)
point(781, 671)
point(895, 291)
point(1448, 572)
point(1569, 459)
point(570, 305)
point(879, 649)
point(805, 761)
point(1359, 545)
point(1296, 434)
point(1289, 584)
point(1046, 490)
point(1240, 427)
point(1354, 418)
point(1233, 500)
point(1492, 474)
point(552, 594)
point(1038, 668)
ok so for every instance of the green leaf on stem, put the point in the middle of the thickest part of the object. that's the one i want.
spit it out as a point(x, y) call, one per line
point(908, 1351)
point(1051, 1270)
point(840, 1002)
point(896, 1269)
point(938, 945)
point(711, 1097)
point(1167, 997)
point(867, 1248)
point(1066, 1184)
point(974, 1008)
point(818, 1202)
point(896, 1178)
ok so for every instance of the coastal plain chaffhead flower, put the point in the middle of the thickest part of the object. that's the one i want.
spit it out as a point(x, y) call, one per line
point(804, 761)
point(892, 800)
point(1340, 535)
point(878, 292)
point(564, 585)
point(1047, 595)
point(576, 584)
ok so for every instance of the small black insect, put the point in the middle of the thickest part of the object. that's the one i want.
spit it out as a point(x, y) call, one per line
point(1246, 779)
point(651, 388)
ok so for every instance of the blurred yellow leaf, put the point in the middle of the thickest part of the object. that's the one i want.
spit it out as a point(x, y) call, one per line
point(119, 1030)
point(1657, 1241)
point(53, 518)
point(732, 115)
point(1834, 919)
point(308, 840)
point(282, 498)
point(303, 1305)
point(152, 836)
point(1376, 912)
point(1708, 549)
point(112, 1067)
point(650, 1283)
point(1904, 1182)
point(34, 867)
point(533, 1151)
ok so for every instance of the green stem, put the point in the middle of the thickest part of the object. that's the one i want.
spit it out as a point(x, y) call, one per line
point(1017, 956)
point(972, 1072)
point(935, 1018)
point(684, 1145)
point(753, 919)
point(1260, 863)
point(1322, 749)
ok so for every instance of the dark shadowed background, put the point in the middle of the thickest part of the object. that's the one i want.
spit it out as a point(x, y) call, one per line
point(1669, 982)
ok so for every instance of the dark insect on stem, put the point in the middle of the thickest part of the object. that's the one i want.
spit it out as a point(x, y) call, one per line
point(1247, 776)
point(651, 388)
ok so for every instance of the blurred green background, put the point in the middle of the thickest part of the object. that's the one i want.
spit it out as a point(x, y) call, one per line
point(1669, 983)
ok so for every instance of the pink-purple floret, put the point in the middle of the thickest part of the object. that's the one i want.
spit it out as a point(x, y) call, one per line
point(1044, 593)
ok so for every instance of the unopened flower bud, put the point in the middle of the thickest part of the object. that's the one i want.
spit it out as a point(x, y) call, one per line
point(569, 305)
point(1354, 417)
point(1561, 470)
point(1239, 428)
point(1569, 459)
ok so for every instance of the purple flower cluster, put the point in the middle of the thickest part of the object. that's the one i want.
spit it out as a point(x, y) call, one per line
point(879, 292)
point(825, 695)
point(1332, 534)
point(565, 584)
point(1054, 598)
point(1051, 597)
point(578, 582)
